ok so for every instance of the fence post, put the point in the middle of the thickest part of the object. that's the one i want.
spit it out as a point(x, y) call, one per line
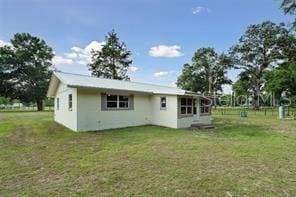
point(265, 111)
point(288, 111)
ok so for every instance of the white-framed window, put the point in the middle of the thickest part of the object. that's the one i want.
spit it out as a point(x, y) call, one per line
point(70, 102)
point(117, 102)
point(58, 103)
point(205, 106)
point(186, 106)
point(163, 102)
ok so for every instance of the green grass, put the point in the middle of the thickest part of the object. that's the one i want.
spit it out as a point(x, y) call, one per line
point(252, 156)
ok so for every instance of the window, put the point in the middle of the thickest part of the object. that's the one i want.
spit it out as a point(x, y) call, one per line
point(117, 102)
point(111, 101)
point(186, 106)
point(205, 106)
point(163, 102)
point(70, 102)
point(58, 103)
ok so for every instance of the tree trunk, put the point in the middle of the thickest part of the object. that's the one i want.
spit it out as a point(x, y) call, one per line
point(211, 85)
point(211, 90)
point(257, 98)
point(39, 105)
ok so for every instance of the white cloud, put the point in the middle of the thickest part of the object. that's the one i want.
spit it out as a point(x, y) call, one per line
point(3, 43)
point(199, 9)
point(173, 84)
point(60, 60)
point(82, 62)
point(133, 69)
point(161, 74)
point(78, 55)
point(76, 49)
point(227, 89)
point(165, 51)
point(94, 45)
point(71, 55)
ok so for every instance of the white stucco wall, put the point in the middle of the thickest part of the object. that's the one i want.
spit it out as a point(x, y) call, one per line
point(164, 117)
point(86, 114)
point(63, 115)
point(90, 116)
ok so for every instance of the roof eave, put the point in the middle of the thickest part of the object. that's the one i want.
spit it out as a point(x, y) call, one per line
point(110, 89)
point(50, 93)
point(190, 93)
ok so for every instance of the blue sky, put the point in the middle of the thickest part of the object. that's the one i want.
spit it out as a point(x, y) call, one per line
point(162, 35)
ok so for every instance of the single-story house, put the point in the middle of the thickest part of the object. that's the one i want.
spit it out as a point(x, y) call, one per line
point(85, 103)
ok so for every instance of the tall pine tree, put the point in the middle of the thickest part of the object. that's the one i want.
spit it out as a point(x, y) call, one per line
point(112, 61)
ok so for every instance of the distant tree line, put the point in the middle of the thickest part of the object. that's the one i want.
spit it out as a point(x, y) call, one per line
point(265, 55)
point(26, 66)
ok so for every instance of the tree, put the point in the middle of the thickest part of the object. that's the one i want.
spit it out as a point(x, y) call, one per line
point(207, 72)
point(289, 7)
point(25, 69)
point(112, 61)
point(281, 79)
point(191, 80)
point(258, 50)
point(242, 86)
point(5, 101)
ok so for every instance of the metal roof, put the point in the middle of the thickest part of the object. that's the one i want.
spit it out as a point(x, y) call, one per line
point(84, 81)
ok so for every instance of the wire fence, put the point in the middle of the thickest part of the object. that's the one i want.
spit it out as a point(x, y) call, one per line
point(264, 111)
point(24, 108)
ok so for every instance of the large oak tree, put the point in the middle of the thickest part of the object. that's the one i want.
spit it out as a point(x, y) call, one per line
point(207, 73)
point(25, 69)
point(258, 50)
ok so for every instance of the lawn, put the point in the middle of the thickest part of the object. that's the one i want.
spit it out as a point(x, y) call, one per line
point(252, 156)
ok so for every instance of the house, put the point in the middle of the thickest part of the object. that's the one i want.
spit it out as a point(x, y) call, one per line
point(84, 103)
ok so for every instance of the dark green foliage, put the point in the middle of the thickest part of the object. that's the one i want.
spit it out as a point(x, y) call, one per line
point(25, 69)
point(7, 71)
point(281, 79)
point(289, 7)
point(206, 73)
point(192, 81)
point(5, 101)
point(259, 49)
point(112, 61)
point(242, 84)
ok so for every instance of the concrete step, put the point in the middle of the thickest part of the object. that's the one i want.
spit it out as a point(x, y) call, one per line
point(203, 126)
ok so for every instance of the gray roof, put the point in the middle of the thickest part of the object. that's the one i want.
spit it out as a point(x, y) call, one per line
point(83, 81)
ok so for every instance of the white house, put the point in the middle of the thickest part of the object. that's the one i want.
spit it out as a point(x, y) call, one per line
point(84, 103)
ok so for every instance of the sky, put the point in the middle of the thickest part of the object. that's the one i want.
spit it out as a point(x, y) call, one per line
point(161, 34)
